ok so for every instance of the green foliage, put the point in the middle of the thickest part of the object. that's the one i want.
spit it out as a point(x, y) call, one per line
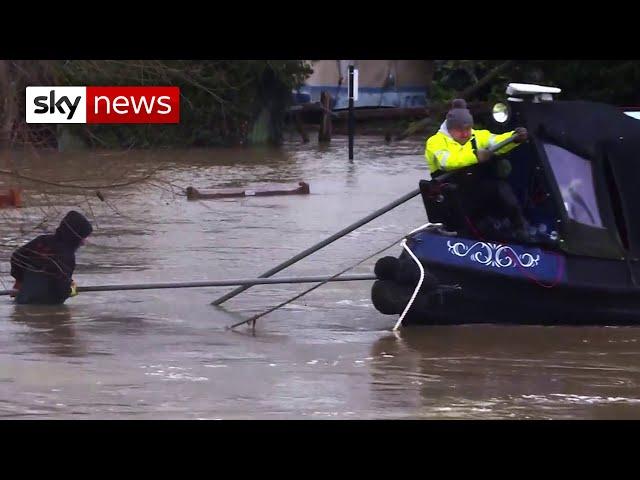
point(608, 81)
point(220, 99)
point(223, 100)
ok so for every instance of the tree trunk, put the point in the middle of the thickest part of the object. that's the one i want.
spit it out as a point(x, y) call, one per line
point(325, 125)
point(8, 106)
point(437, 110)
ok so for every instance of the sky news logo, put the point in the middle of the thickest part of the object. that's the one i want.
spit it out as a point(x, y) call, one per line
point(103, 105)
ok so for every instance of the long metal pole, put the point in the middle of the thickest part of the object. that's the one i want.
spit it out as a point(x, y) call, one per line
point(503, 143)
point(218, 283)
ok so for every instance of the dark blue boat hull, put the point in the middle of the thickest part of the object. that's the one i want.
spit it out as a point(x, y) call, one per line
point(513, 284)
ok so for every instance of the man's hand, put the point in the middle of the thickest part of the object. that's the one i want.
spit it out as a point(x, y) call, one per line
point(74, 289)
point(483, 155)
point(521, 135)
point(16, 287)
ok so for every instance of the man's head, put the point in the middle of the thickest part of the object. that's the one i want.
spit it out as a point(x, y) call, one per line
point(74, 228)
point(459, 121)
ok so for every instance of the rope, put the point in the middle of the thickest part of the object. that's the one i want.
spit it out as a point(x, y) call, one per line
point(415, 292)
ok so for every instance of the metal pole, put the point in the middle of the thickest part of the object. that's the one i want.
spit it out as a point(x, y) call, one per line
point(503, 143)
point(351, 120)
point(325, 242)
point(219, 283)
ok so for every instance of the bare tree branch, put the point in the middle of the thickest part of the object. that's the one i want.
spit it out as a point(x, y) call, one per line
point(437, 109)
point(82, 187)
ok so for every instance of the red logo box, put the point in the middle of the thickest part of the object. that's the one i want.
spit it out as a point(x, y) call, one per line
point(133, 104)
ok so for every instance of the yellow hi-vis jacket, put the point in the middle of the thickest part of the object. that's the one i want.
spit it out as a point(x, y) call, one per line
point(444, 154)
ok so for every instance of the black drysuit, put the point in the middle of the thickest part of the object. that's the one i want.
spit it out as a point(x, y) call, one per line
point(43, 268)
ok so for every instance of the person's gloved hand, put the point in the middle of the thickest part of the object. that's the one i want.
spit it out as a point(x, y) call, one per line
point(74, 289)
point(521, 135)
point(503, 168)
point(16, 287)
point(483, 155)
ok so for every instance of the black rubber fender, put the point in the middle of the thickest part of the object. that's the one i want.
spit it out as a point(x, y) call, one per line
point(387, 268)
point(404, 271)
point(387, 297)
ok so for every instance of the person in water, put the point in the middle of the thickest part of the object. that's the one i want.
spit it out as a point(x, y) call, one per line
point(43, 268)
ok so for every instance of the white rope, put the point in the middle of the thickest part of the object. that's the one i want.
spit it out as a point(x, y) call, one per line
point(415, 292)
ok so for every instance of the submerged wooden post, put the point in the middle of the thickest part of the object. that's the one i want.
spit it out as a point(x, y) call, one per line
point(325, 123)
point(300, 128)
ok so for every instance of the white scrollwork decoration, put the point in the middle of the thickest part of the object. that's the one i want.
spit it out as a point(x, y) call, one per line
point(493, 254)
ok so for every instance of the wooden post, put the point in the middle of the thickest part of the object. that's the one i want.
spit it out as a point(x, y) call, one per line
point(325, 124)
point(300, 128)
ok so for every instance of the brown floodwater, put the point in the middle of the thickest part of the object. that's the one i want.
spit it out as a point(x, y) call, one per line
point(157, 354)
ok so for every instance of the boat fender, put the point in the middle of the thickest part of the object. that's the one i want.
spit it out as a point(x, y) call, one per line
point(409, 274)
point(404, 271)
point(387, 268)
point(385, 297)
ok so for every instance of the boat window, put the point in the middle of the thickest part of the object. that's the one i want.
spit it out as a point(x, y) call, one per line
point(575, 180)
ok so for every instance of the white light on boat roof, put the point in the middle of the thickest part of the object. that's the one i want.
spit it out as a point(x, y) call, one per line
point(529, 89)
point(635, 115)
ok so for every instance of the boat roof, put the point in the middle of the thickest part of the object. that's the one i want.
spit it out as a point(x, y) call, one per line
point(610, 140)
